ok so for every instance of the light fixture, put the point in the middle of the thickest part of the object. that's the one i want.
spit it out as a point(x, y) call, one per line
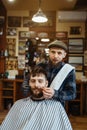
point(11, 0)
point(39, 17)
point(45, 39)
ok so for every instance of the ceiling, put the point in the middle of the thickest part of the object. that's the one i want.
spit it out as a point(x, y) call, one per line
point(81, 5)
point(46, 5)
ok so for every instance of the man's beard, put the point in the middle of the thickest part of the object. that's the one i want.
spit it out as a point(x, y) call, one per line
point(37, 92)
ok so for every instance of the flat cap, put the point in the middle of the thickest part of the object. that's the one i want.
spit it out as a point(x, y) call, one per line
point(58, 44)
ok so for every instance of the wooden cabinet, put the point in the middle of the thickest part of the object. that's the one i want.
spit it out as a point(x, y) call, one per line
point(10, 91)
point(76, 106)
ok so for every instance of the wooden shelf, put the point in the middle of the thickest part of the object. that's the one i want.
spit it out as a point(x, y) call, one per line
point(8, 97)
point(76, 100)
point(79, 102)
point(8, 89)
point(9, 92)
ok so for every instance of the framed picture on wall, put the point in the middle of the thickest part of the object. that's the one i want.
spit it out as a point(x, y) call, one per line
point(76, 45)
point(21, 47)
point(27, 34)
point(75, 30)
point(14, 21)
point(27, 22)
point(11, 63)
point(11, 31)
point(21, 61)
point(76, 61)
point(24, 34)
point(62, 35)
point(85, 58)
point(11, 44)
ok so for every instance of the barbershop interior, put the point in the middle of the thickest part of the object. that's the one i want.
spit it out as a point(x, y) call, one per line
point(24, 42)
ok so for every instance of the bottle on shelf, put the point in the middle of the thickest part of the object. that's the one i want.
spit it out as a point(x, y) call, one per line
point(2, 53)
point(6, 53)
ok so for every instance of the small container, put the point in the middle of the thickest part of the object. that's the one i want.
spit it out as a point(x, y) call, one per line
point(6, 53)
point(2, 53)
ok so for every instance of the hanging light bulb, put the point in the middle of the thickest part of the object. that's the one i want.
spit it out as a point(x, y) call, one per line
point(11, 0)
point(39, 17)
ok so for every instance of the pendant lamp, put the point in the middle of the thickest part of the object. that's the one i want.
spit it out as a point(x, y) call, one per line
point(11, 0)
point(39, 17)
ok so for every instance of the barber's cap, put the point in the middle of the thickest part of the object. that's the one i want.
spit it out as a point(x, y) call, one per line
point(58, 44)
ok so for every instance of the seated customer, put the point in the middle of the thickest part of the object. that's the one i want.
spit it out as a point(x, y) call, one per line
point(35, 112)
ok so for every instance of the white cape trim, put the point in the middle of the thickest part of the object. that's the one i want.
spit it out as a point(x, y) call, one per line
point(62, 74)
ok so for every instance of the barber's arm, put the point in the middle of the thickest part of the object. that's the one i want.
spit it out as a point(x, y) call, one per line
point(66, 92)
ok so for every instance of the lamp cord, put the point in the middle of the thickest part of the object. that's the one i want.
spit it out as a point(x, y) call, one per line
point(39, 3)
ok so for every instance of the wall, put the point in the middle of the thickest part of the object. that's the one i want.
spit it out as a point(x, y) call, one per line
point(21, 13)
point(60, 26)
point(55, 25)
point(65, 26)
point(48, 27)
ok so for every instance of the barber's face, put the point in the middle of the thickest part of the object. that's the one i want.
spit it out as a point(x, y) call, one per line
point(56, 55)
point(37, 83)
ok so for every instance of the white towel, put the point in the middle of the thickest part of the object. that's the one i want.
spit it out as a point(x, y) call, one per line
point(62, 74)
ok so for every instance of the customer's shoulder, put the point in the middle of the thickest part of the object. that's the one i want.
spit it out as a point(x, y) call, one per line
point(23, 100)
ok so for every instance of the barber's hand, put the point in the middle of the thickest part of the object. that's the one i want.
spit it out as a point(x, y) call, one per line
point(48, 92)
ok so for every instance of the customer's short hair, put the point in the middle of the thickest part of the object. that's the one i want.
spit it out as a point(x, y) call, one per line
point(37, 70)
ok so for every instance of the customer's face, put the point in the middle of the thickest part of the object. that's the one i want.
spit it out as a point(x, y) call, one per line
point(37, 83)
point(56, 55)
